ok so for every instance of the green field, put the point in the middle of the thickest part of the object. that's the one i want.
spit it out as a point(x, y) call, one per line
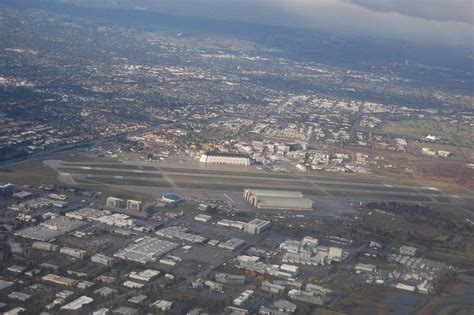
point(462, 135)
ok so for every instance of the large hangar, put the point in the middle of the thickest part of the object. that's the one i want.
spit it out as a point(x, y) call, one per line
point(277, 199)
point(225, 158)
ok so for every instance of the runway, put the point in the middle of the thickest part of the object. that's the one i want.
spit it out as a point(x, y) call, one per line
point(195, 178)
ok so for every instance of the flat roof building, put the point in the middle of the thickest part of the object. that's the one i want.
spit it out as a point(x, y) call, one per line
point(73, 252)
point(59, 280)
point(162, 305)
point(146, 250)
point(7, 190)
point(225, 158)
point(408, 250)
point(276, 199)
point(77, 304)
point(134, 205)
point(50, 229)
point(170, 198)
point(102, 259)
point(115, 202)
point(22, 195)
point(203, 218)
point(232, 244)
point(257, 226)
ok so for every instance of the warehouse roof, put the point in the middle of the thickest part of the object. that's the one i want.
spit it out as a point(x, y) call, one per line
point(275, 193)
point(259, 223)
point(78, 303)
point(225, 154)
point(284, 202)
point(146, 250)
point(172, 197)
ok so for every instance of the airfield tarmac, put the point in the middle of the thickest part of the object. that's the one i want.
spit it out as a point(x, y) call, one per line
point(216, 182)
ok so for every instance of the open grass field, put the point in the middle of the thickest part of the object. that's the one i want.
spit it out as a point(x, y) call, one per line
point(377, 195)
point(29, 173)
point(395, 223)
point(462, 135)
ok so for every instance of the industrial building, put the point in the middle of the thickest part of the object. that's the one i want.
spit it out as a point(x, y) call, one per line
point(7, 190)
point(45, 246)
point(257, 226)
point(19, 296)
point(180, 233)
point(408, 251)
point(85, 214)
point(102, 259)
point(134, 205)
point(146, 250)
point(225, 158)
point(73, 252)
point(162, 305)
point(170, 198)
point(77, 304)
point(50, 229)
point(228, 278)
point(232, 244)
point(144, 276)
point(277, 199)
point(313, 294)
point(115, 202)
point(65, 281)
point(203, 218)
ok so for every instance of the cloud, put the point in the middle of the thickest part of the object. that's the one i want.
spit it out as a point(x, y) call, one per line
point(438, 10)
point(446, 22)
point(440, 21)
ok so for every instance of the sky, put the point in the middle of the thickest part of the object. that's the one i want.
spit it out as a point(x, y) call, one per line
point(447, 21)
point(439, 21)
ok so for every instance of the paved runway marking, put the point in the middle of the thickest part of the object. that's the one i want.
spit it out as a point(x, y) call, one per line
point(228, 197)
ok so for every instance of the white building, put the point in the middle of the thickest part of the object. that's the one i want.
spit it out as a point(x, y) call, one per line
point(73, 252)
point(162, 305)
point(102, 259)
point(77, 304)
point(443, 153)
point(257, 226)
point(365, 267)
point(277, 199)
point(115, 202)
point(134, 205)
point(408, 250)
point(203, 218)
point(225, 158)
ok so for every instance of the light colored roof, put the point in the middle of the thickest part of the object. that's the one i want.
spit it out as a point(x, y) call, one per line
point(171, 197)
point(258, 222)
point(284, 202)
point(78, 303)
point(146, 250)
point(275, 193)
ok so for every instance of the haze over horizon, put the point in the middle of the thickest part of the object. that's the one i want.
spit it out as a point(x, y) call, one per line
point(433, 22)
point(214, 157)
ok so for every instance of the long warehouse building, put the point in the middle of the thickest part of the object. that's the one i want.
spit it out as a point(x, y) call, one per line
point(277, 199)
point(225, 158)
